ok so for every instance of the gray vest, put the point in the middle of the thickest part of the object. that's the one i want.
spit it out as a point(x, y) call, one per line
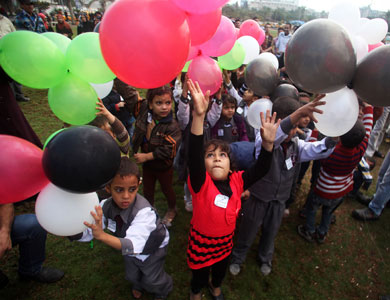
point(276, 184)
point(156, 237)
point(250, 131)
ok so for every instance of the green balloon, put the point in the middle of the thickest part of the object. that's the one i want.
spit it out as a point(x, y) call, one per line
point(60, 40)
point(234, 58)
point(186, 66)
point(51, 137)
point(85, 59)
point(32, 59)
point(73, 100)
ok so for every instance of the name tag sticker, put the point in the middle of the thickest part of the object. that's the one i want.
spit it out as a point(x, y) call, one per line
point(111, 226)
point(289, 163)
point(220, 132)
point(240, 110)
point(221, 201)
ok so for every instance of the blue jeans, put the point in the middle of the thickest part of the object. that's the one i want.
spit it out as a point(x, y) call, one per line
point(328, 207)
point(382, 193)
point(31, 238)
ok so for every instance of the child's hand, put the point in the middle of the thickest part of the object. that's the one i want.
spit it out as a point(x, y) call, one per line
point(200, 101)
point(143, 157)
point(308, 110)
point(102, 110)
point(97, 228)
point(226, 76)
point(268, 130)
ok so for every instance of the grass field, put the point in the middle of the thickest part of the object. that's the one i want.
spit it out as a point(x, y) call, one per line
point(353, 263)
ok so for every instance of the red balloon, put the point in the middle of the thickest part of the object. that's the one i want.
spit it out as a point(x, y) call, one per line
point(203, 27)
point(261, 39)
point(206, 72)
point(374, 46)
point(199, 6)
point(145, 42)
point(251, 28)
point(21, 172)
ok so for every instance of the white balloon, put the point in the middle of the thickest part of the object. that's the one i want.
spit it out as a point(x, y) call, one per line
point(103, 89)
point(271, 58)
point(340, 113)
point(346, 14)
point(374, 31)
point(361, 47)
point(63, 213)
point(251, 46)
point(253, 115)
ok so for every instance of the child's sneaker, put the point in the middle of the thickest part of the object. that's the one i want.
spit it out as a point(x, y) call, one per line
point(320, 237)
point(265, 269)
point(188, 206)
point(234, 269)
point(305, 234)
point(286, 213)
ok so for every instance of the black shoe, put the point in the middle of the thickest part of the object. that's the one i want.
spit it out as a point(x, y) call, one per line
point(46, 275)
point(320, 238)
point(378, 154)
point(3, 280)
point(364, 214)
point(305, 234)
point(363, 199)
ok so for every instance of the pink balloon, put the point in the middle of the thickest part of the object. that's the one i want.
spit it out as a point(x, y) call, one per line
point(21, 171)
point(203, 27)
point(261, 39)
point(145, 42)
point(199, 6)
point(206, 72)
point(251, 28)
point(374, 46)
point(222, 41)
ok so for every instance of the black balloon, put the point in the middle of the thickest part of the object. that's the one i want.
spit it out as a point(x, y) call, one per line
point(320, 57)
point(81, 159)
point(261, 76)
point(285, 89)
point(372, 78)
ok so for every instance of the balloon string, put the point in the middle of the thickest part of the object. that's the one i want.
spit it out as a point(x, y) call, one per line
point(91, 244)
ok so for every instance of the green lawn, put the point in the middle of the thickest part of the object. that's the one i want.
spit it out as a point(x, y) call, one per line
point(353, 263)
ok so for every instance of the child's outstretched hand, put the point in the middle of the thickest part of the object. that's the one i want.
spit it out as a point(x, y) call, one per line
point(102, 110)
point(97, 228)
point(308, 110)
point(200, 101)
point(268, 130)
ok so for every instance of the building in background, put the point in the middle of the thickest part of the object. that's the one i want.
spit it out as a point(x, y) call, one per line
point(274, 4)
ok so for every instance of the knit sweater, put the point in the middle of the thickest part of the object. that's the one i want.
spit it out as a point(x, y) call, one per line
point(336, 173)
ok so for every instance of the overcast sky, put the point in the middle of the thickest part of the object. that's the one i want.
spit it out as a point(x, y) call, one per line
point(326, 5)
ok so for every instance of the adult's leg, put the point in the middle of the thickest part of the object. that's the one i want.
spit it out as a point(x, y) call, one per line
point(377, 133)
point(149, 182)
point(31, 238)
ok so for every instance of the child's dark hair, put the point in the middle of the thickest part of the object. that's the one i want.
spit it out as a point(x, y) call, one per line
point(228, 99)
point(100, 121)
point(127, 167)
point(355, 136)
point(151, 93)
point(224, 147)
point(285, 106)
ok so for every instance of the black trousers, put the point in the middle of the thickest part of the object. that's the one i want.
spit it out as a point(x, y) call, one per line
point(200, 277)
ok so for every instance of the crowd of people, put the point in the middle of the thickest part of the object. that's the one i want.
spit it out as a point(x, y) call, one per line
point(228, 169)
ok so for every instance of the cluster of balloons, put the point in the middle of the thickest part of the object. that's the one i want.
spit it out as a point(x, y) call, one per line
point(75, 163)
point(65, 67)
point(327, 55)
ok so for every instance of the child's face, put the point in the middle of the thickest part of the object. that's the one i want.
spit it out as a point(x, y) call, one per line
point(217, 163)
point(161, 106)
point(228, 110)
point(123, 190)
point(303, 122)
